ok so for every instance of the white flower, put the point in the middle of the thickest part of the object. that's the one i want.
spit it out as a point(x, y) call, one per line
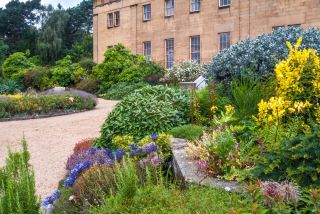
point(227, 189)
point(71, 198)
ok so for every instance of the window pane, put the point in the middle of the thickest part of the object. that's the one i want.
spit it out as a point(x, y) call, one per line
point(225, 40)
point(117, 18)
point(169, 7)
point(147, 12)
point(195, 48)
point(169, 53)
point(147, 49)
point(110, 19)
point(223, 3)
point(195, 5)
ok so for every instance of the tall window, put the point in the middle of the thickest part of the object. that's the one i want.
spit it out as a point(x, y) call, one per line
point(195, 5)
point(110, 19)
point(116, 18)
point(224, 3)
point(146, 12)
point(225, 40)
point(169, 7)
point(195, 48)
point(147, 49)
point(169, 53)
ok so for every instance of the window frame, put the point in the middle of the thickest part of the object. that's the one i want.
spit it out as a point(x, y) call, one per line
point(195, 51)
point(278, 27)
point(147, 53)
point(110, 21)
point(171, 8)
point(148, 12)
point(221, 42)
point(116, 24)
point(194, 2)
point(169, 63)
point(224, 5)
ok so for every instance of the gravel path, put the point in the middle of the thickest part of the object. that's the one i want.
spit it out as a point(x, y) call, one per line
point(51, 141)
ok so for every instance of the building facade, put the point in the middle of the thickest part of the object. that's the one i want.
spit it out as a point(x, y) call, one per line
point(169, 31)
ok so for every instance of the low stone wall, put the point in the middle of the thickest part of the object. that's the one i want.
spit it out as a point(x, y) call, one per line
point(186, 170)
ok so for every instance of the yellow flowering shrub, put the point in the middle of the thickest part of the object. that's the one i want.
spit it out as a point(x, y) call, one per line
point(298, 87)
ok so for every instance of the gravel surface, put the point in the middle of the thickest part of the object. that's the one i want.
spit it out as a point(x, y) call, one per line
point(51, 141)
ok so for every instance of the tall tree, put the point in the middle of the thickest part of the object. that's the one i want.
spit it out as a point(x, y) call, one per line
point(17, 24)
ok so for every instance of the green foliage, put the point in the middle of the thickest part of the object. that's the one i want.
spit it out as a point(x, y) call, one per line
point(122, 89)
point(122, 141)
point(43, 104)
point(88, 85)
point(38, 78)
point(3, 52)
point(10, 86)
point(296, 159)
point(146, 111)
point(160, 199)
point(189, 132)
point(15, 65)
point(65, 205)
point(82, 49)
point(247, 92)
point(17, 184)
point(205, 103)
point(120, 65)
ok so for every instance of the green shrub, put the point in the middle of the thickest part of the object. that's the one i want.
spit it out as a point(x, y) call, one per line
point(247, 92)
point(297, 159)
point(122, 89)
point(189, 132)
point(88, 85)
point(65, 205)
point(62, 72)
point(120, 65)
point(122, 141)
point(160, 199)
point(10, 86)
point(146, 111)
point(261, 54)
point(43, 104)
point(17, 184)
point(205, 103)
point(38, 78)
point(186, 71)
point(15, 65)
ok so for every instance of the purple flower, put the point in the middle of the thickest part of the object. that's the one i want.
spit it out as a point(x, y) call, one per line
point(217, 130)
point(202, 164)
point(119, 154)
point(48, 202)
point(75, 172)
point(149, 148)
point(136, 152)
point(133, 146)
point(154, 136)
point(237, 146)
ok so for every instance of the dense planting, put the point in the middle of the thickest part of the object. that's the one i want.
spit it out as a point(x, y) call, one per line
point(146, 111)
point(32, 105)
point(120, 90)
point(260, 54)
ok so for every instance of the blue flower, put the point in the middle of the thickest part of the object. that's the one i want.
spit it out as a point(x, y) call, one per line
point(92, 150)
point(154, 136)
point(136, 152)
point(133, 146)
point(76, 171)
point(119, 154)
point(149, 148)
point(48, 202)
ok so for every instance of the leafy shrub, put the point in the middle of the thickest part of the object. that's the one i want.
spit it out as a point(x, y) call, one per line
point(83, 145)
point(160, 199)
point(17, 184)
point(189, 132)
point(120, 65)
point(88, 85)
point(62, 72)
point(260, 54)
point(297, 92)
point(15, 65)
point(122, 89)
point(186, 71)
point(122, 141)
point(10, 86)
point(146, 111)
point(247, 92)
point(205, 102)
point(38, 78)
point(95, 184)
point(87, 63)
point(65, 205)
point(33, 105)
point(296, 159)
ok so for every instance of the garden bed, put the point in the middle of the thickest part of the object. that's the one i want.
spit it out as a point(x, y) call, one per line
point(186, 170)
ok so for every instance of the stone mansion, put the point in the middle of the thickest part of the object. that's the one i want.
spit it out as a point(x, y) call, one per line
point(170, 31)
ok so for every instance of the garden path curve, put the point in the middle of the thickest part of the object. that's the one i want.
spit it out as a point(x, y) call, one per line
point(51, 141)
